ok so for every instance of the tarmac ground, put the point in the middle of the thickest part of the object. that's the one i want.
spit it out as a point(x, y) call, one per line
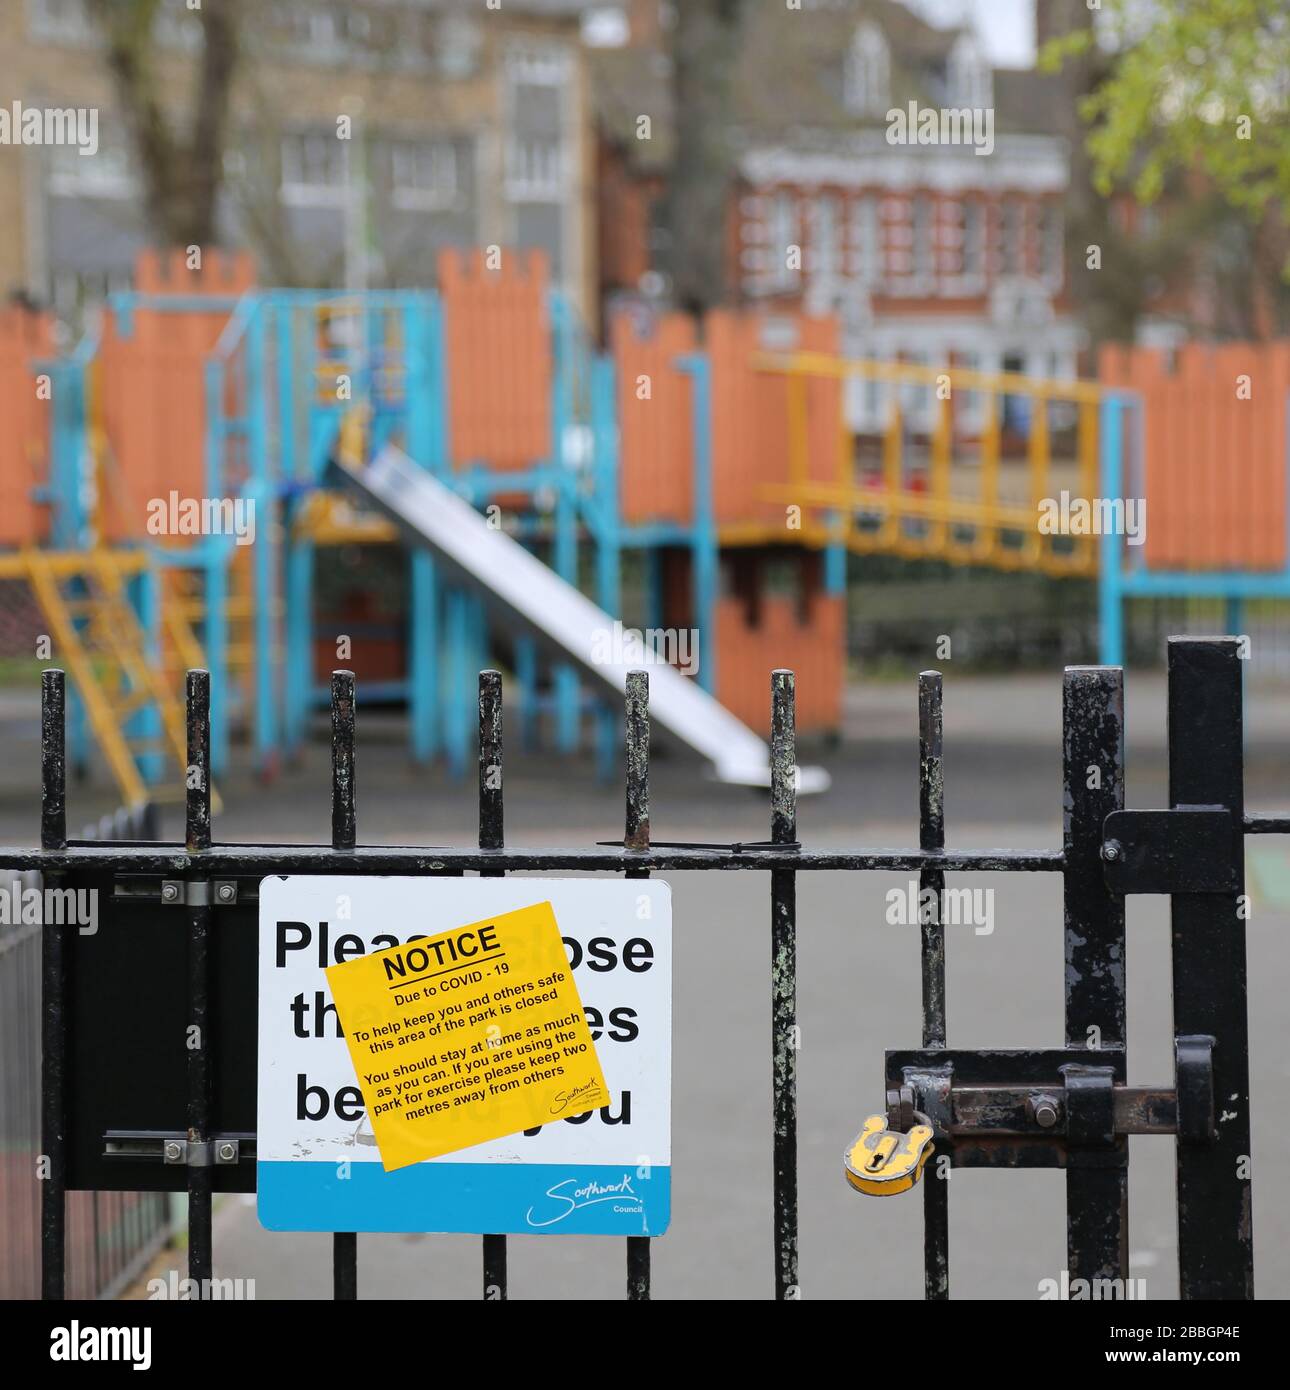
point(858, 995)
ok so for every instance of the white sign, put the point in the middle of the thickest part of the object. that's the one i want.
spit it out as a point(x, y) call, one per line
point(607, 1172)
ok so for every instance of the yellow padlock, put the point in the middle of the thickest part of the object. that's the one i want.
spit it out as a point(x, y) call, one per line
point(883, 1161)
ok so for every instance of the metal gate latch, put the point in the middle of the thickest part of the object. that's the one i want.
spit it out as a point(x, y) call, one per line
point(1189, 849)
point(884, 1161)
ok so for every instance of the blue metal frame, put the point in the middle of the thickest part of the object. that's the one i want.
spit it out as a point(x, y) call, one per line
point(144, 594)
point(263, 405)
point(704, 575)
point(270, 433)
point(1110, 575)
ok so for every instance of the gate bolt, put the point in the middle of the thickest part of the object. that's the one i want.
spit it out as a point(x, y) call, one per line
point(169, 892)
point(227, 1153)
point(226, 892)
point(1111, 851)
point(172, 1152)
point(1043, 1110)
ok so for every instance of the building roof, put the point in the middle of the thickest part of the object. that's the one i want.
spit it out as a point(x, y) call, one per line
point(789, 80)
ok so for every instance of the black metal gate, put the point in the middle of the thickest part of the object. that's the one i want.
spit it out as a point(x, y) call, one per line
point(1069, 1107)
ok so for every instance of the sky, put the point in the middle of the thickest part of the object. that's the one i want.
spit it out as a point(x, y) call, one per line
point(1007, 27)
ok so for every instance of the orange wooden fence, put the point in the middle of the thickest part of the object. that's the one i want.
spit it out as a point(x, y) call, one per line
point(498, 348)
point(811, 644)
point(756, 630)
point(1214, 471)
point(750, 415)
point(152, 380)
point(24, 435)
point(773, 612)
point(656, 446)
point(148, 391)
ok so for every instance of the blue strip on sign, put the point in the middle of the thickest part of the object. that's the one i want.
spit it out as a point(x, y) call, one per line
point(475, 1198)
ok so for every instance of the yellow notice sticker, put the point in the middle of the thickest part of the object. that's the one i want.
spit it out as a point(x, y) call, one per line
point(468, 1035)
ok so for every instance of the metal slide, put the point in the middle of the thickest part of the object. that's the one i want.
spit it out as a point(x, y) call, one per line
point(522, 589)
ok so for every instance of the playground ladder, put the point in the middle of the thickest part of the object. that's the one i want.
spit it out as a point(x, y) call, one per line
point(106, 650)
point(184, 613)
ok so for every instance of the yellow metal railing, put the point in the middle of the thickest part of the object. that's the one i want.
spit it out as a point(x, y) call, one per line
point(961, 489)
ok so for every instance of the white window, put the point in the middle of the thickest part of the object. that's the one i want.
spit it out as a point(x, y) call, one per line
point(969, 80)
point(534, 170)
point(973, 237)
point(873, 400)
point(427, 175)
point(867, 72)
point(314, 169)
point(539, 66)
point(923, 236)
point(540, 149)
point(826, 250)
point(866, 248)
point(783, 236)
point(318, 26)
point(536, 150)
point(1013, 237)
point(107, 175)
point(326, 31)
point(917, 402)
point(1051, 244)
point(968, 412)
point(459, 41)
point(61, 21)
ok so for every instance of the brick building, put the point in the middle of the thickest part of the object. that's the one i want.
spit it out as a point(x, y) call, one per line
point(923, 250)
point(473, 127)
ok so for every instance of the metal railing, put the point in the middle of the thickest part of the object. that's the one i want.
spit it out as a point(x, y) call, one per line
point(1067, 1108)
point(110, 1236)
point(958, 498)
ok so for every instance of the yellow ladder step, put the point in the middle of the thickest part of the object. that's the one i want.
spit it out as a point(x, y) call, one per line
point(132, 704)
point(110, 656)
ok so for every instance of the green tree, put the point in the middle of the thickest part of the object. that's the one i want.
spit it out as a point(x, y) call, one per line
point(1110, 298)
point(1193, 84)
point(705, 42)
point(1186, 98)
point(180, 154)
